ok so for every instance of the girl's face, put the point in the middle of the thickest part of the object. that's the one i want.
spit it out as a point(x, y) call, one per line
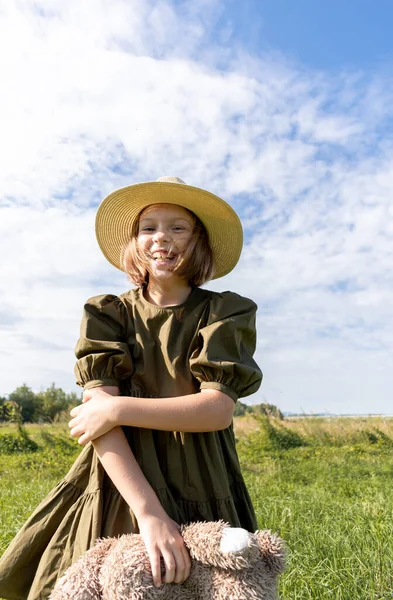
point(164, 232)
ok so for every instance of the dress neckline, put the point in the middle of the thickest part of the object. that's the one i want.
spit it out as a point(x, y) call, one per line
point(190, 297)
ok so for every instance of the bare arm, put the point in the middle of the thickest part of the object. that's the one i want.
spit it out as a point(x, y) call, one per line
point(160, 534)
point(208, 410)
point(119, 462)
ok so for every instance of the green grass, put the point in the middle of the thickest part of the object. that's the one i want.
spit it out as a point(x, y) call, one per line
point(25, 478)
point(332, 504)
point(324, 485)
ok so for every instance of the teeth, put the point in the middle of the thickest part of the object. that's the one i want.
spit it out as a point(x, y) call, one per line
point(162, 257)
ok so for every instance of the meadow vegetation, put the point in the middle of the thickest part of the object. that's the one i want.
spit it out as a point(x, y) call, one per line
point(323, 484)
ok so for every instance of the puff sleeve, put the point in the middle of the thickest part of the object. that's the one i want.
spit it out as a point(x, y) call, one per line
point(224, 357)
point(104, 356)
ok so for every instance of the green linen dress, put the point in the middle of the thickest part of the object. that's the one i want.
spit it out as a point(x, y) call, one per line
point(150, 352)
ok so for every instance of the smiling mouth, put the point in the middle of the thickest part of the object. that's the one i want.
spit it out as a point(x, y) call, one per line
point(163, 257)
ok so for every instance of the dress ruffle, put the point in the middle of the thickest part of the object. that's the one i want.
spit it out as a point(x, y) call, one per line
point(235, 509)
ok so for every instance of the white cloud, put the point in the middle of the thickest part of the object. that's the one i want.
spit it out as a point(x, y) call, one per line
point(102, 94)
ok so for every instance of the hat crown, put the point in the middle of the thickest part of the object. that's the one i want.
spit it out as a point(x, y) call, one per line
point(169, 179)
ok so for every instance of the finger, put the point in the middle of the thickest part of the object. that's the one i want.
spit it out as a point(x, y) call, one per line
point(180, 574)
point(74, 412)
point(86, 396)
point(155, 568)
point(75, 431)
point(183, 564)
point(187, 562)
point(170, 567)
point(83, 440)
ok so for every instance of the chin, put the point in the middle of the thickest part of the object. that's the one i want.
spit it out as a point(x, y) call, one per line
point(162, 275)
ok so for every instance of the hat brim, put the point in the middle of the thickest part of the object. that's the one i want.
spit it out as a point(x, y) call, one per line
point(118, 212)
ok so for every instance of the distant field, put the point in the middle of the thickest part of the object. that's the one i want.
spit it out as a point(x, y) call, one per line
point(325, 485)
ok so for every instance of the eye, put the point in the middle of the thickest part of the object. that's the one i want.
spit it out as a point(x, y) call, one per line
point(177, 228)
point(147, 229)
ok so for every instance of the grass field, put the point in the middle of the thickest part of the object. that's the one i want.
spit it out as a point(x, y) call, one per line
point(325, 485)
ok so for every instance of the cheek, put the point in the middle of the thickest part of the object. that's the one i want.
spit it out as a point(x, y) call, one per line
point(183, 242)
point(142, 242)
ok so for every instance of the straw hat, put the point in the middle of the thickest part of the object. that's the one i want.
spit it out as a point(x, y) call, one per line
point(118, 212)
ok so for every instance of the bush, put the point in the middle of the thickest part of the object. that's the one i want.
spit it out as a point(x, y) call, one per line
point(378, 437)
point(60, 443)
point(269, 437)
point(269, 410)
point(281, 438)
point(11, 443)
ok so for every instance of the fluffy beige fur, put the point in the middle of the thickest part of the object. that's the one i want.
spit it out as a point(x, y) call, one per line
point(119, 569)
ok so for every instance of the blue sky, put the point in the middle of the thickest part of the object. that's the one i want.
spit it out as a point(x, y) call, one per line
point(285, 112)
point(322, 35)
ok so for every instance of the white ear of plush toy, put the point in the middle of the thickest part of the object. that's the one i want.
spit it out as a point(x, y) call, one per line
point(234, 539)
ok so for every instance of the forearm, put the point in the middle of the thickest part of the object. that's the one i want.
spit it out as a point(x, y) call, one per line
point(119, 462)
point(159, 532)
point(208, 410)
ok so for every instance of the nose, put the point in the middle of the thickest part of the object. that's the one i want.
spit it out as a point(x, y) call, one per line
point(161, 235)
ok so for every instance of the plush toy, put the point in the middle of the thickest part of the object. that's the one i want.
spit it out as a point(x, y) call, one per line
point(227, 564)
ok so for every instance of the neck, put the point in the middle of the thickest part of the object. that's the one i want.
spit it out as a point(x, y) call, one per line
point(166, 294)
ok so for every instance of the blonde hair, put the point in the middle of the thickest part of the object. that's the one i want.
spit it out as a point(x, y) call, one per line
point(195, 266)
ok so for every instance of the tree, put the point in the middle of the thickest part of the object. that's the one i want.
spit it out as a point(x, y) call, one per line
point(13, 412)
point(27, 401)
point(9, 411)
point(53, 402)
point(3, 409)
point(241, 409)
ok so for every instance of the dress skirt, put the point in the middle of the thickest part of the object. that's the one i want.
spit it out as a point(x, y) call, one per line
point(86, 506)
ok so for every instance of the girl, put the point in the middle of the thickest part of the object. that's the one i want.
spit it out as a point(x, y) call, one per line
point(162, 367)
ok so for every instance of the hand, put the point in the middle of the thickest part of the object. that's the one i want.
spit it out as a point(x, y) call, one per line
point(162, 538)
point(94, 417)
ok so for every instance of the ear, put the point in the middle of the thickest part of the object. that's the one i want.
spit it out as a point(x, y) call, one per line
point(272, 549)
point(218, 545)
point(234, 539)
point(81, 581)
